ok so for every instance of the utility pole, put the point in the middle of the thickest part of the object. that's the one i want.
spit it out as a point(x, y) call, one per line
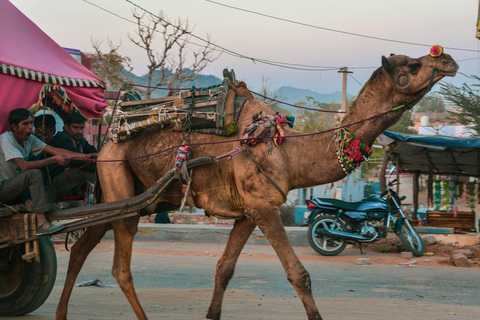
point(340, 193)
point(343, 108)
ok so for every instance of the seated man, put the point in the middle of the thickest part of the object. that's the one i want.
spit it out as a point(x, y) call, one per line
point(44, 125)
point(18, 175)
point(69, 181)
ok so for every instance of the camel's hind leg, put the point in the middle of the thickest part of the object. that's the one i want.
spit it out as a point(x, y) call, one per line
point(269, 221)
point(242, 229)
point(78, 255)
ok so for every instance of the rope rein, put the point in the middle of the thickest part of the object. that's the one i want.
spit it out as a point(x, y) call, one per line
point(247, 150)
point(238, 140)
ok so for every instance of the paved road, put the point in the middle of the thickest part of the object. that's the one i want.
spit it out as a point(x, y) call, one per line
point(175, 280)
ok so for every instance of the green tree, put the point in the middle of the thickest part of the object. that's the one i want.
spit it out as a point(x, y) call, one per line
point(430, 103)
point(314, 121)
point(466, 97)
point(404, 125)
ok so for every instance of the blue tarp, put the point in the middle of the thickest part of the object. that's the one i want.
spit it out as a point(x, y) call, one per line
point(435, 141)
point(436, 154)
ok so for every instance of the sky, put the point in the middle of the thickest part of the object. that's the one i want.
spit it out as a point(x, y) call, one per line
point(332, 34)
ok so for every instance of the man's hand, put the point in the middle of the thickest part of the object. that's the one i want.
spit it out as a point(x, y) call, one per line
point(91, 155)
point(62, 160)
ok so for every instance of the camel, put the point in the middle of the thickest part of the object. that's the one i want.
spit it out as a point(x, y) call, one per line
point(236, 188)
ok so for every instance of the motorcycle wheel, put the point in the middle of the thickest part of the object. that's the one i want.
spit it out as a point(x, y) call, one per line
point(325, 245)
point(410, 239)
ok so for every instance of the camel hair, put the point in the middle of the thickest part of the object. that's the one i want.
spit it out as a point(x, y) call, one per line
point(236, 189)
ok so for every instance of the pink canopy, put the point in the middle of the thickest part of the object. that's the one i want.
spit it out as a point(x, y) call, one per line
point(29, 59)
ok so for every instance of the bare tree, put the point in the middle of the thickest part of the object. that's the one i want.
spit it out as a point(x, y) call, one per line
point(175, 64)
point(113, 68)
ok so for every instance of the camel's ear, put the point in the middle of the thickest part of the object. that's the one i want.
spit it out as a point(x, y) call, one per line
point(386, 64)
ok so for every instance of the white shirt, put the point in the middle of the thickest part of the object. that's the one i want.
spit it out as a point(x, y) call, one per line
point(10, 149)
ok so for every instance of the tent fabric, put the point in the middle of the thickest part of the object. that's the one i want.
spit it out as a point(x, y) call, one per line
point(435, 154)
point(29, 59)
point(47, 78)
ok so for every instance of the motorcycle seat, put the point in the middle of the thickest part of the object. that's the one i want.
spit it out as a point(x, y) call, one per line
point(365, 205)
point(345, 205)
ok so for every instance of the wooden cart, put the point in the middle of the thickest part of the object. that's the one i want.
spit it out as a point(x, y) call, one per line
point(28, 264)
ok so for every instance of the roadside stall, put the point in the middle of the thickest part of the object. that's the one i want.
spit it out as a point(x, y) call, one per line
point(451, 167)
point(35, 73)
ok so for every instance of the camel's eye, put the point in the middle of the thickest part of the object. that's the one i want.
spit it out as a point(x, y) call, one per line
point(414, 66)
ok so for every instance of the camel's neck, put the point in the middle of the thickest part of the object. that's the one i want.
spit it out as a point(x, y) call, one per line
point(313, 159)
point(372, 112)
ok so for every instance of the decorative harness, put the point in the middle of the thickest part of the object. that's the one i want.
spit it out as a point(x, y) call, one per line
point(351, 152)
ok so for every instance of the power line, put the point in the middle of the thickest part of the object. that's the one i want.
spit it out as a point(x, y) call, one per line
point(361, 85)
point(295, 66)
point(332, 30)
point(277, 64)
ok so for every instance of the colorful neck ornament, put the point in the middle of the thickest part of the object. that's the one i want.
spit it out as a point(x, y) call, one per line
point(351, 152)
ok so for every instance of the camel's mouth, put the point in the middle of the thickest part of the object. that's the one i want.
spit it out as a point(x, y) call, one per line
point(452, 71)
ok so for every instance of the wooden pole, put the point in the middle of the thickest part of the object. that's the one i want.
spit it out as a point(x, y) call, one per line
point(416, 189)
point(382, 180)
point(343, 108)
point(397, 169)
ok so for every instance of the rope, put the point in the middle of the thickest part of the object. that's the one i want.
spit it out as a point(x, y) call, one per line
point(265, 174)
point(293, 105)
point(244, 140)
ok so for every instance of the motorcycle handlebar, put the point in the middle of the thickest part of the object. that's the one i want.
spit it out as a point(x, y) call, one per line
point(391, 183)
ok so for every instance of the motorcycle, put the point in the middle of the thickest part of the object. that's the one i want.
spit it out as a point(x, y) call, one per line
point(334, 223)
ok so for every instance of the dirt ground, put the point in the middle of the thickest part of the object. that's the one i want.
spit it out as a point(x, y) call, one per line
point(241, 304)
point(192, 304)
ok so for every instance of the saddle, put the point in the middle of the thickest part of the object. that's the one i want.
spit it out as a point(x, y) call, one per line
point(213, 110)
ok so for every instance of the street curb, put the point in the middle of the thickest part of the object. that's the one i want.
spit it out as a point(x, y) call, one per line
point(207, 233)
point(296, 235)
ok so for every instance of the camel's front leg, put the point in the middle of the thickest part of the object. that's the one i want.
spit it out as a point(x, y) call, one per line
point(121, 262)
point(269, 221)
point(242, 229)
point(78, 255)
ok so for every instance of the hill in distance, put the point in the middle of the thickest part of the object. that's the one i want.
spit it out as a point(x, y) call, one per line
point(294, 95)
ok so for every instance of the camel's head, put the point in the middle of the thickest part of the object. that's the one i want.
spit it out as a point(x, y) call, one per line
point(413, 77)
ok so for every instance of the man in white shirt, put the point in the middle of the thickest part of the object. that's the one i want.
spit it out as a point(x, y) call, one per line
point(18, 175)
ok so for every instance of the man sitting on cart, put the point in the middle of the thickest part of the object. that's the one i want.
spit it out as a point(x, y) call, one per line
point(18, 175)
point(71, 181)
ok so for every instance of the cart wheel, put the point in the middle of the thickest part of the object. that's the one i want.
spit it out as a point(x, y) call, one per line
point(24, 286)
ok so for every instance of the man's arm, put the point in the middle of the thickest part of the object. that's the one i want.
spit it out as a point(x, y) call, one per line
point(59, 152)
point(28, 165)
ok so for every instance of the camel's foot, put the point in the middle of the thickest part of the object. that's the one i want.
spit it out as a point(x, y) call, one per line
point(212, 316)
